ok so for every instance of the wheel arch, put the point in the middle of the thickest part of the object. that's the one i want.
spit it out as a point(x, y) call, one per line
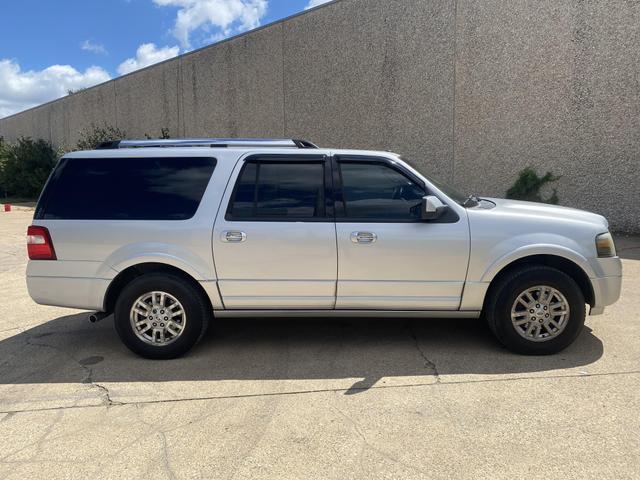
point(134, 271)
point(564, 264)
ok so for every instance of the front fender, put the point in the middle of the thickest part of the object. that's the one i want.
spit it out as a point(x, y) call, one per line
point(537, 249)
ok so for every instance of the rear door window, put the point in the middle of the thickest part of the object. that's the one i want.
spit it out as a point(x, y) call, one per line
point(126, 188)
point(283, 190)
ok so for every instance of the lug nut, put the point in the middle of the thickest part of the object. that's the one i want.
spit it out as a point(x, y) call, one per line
point(150, 317)
point(531, 311)
point(545, 307)
point(162, 324)
point(155, 324)
point(161, 312)
point(154, 311)
point(167, 318)
point(537, 305)
point(533, 318)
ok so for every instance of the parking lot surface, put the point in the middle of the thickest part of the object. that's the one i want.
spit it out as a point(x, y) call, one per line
point(313, 398)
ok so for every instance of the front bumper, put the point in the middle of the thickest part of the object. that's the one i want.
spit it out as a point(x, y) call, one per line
point(606, 288)
point(606, 292)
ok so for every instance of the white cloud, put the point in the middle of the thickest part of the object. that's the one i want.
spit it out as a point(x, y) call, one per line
point(147, 54)
point(214, 19)
point(230, 16)
point(96, 48)
point(21, 90)
point(315, 3)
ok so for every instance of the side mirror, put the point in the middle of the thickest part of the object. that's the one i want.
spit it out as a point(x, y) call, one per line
point(432, 208)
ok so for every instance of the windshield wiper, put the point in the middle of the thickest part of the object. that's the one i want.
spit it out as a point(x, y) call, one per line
point(471, 201)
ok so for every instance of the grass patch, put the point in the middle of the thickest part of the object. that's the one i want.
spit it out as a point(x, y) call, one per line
point(19, 202)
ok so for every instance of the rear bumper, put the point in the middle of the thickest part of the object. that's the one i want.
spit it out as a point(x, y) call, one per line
point(82, 293)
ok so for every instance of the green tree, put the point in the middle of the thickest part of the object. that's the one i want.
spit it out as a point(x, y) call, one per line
point(528, 185)
point(25, 166)
point(94, 135)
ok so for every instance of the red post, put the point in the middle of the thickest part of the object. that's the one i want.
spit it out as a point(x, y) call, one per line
point(7, 207)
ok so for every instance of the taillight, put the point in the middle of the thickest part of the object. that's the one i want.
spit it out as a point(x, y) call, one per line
point(39, 245)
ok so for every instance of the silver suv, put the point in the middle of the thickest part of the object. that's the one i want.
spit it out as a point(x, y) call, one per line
point(168, 235)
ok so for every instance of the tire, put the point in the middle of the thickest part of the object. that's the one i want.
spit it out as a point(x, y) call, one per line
point(563, 290)
point(182, 332)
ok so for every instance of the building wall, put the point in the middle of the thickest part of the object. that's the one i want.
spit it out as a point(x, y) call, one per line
point(472, 90)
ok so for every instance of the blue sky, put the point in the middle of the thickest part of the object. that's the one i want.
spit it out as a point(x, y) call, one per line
point(49, 47)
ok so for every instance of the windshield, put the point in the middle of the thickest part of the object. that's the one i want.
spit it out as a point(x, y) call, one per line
point(447, 189)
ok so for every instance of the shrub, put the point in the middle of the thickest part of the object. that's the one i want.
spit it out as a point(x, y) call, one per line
point(25, 166)
point(71, 91)
point(164, 134)
point(528, 185)
point(94, 135)
point(3, 160)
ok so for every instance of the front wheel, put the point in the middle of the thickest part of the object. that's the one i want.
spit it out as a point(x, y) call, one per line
point(536, 310)
point(161, 316)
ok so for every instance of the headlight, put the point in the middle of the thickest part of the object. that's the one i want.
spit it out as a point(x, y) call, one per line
point(605, 246)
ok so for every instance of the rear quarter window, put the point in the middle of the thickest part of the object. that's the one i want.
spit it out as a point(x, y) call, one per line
point(125, 188)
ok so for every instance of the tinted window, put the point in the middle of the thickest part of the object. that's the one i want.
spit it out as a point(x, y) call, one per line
point(245, 195)
point(376, 191)
point(126, 188)
point(274, 190)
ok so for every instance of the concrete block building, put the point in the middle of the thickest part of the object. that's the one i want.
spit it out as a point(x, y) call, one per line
point(473, 91)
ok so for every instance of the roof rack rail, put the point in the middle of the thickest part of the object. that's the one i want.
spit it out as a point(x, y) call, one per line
point(207, 142)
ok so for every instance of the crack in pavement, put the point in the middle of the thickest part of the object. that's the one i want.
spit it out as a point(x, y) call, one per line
point(324, 390)
point(105, 394)
point(368, 382)
point(38, 443)
point(108, 402)
point(428, 363)
point(367, 444)
point(165, 456)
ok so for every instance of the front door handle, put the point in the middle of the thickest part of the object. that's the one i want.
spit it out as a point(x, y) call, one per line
point(363, 237)
point(233, 236)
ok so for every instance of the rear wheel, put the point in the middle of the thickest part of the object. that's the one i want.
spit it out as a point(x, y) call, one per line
point(536, 310)
point(161, 316)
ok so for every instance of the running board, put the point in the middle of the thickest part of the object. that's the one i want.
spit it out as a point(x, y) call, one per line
point(347, 313)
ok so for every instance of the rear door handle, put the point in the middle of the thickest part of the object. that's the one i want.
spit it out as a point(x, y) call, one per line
point(233, 236)
point(363, 237)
